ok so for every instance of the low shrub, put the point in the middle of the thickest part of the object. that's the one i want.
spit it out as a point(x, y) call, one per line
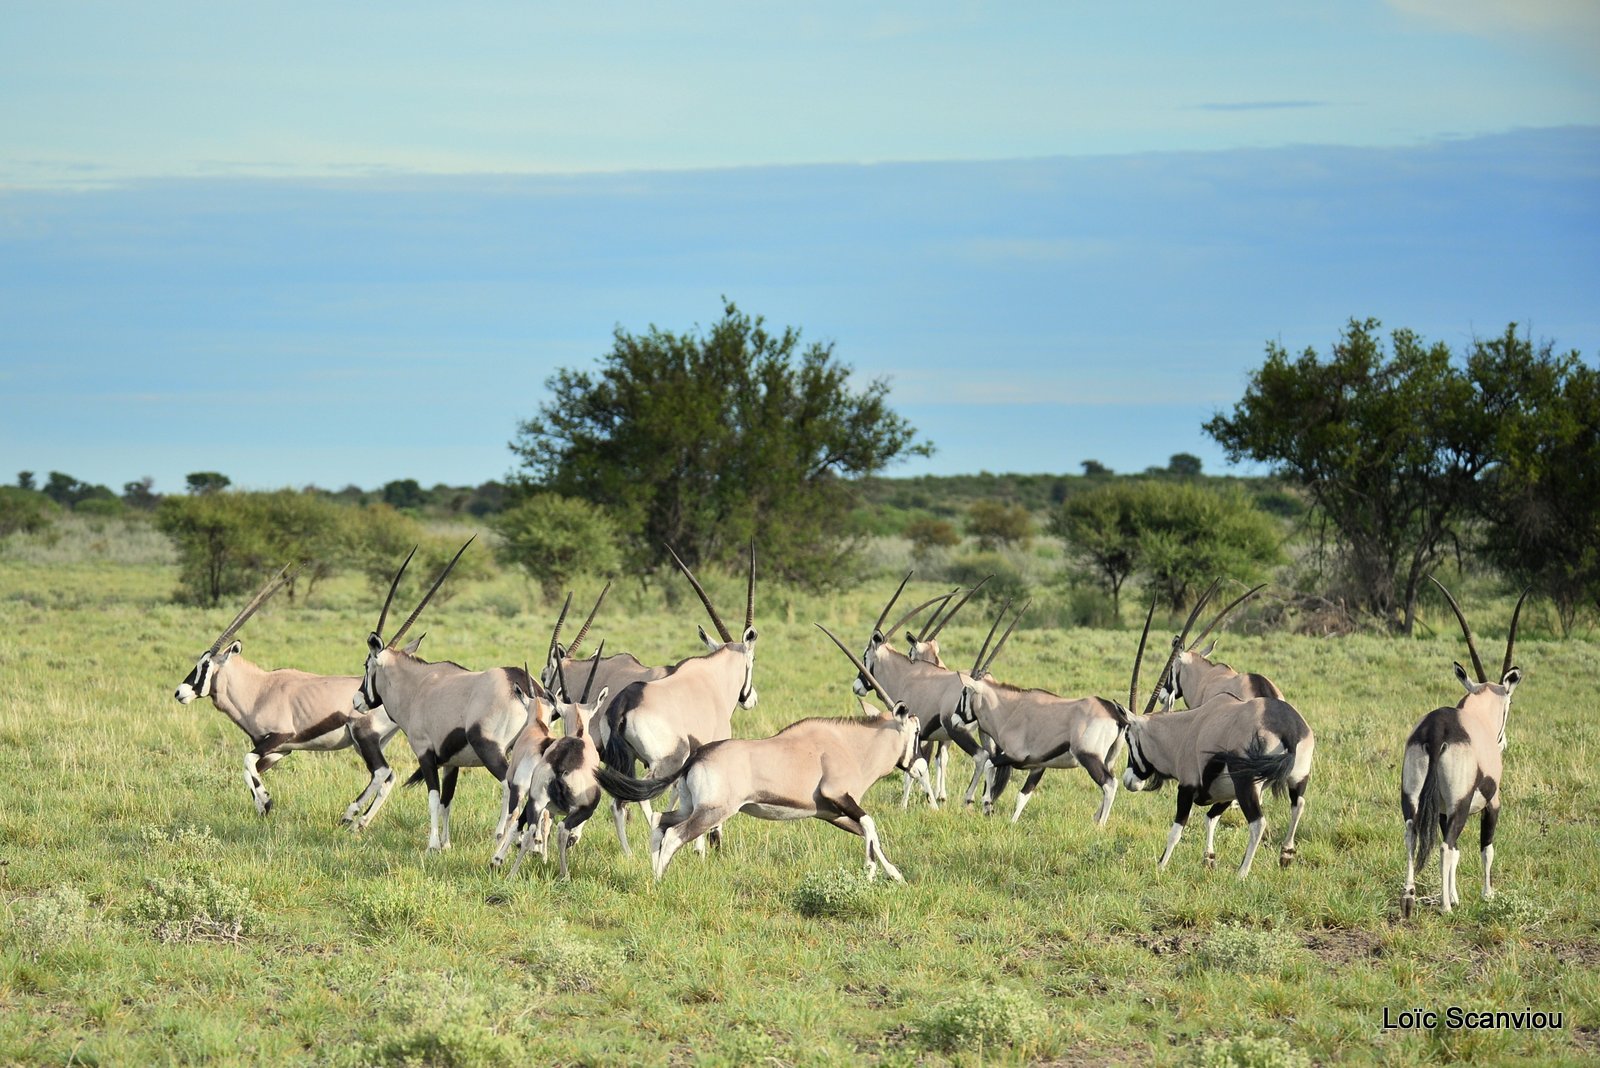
point(1248, 1051)
point(983, 1018)
point(195, 908)
point(841, 892)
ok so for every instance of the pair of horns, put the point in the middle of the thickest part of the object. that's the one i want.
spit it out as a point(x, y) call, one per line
point(877, 687)
point(412, 618)
point(936, 622)
point(1179, 643)
point(1472, 647)
point(262, 596)
point(555, 637)
point(980, 667)
point(750, 593)
point(561, 676)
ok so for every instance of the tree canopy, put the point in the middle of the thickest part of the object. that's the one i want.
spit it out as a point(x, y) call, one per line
point(706, 440)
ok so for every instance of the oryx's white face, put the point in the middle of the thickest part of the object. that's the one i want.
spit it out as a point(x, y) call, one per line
point(368, 696)
point(910, 734)
point(861, 687)
point(200, 681)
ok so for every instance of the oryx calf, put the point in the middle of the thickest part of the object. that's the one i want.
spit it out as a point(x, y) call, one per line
point(287, 710)
point(817, 768)
point(453, 718)
point(1220, 753)
point(1452, 768)
point(1034, 729)
point(662, 721)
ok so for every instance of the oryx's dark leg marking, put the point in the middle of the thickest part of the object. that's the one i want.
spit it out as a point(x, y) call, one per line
point(997, 786)
point(1297, 808)
point(1029, 784)
point(1213, 814)
point(1186, 796)
point(370, 745)
point(428, 771)
point(1454, 822)
point(1101, 776)
point(851, 808)
point(1247, 792)
point(1486, 825)
point(256, 763)
point(488, 751)
point(568, 834)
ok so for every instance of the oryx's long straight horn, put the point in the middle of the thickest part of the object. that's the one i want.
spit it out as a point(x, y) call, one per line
point(933, 628)
point(978, 663)
point(716, 620)
point(1241, 599)
point(572, 650)
point(750, 591)
point(1472, 646)
point(1511, 638)
point(1133, 687)
point(412, 618)
point(262, 596)
point(599, 654)
point(1179, 641)
point(888, 702)
point(555, 635)
point(903, 620)
point(877, 627)
point(395, 585)
point(1001, 644)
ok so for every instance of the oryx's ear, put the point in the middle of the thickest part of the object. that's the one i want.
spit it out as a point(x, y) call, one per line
point(900, 710)
point(374, 643)
point(600, 699)
point(911, 640)
point(232, 649)
point(416, 643)
point(1210, 647)
point(749, 635)
point(560, 652)
point(713, 646)
point(876, 639)
point(1510, 679)
point(1121, 714)
point(1465, 679)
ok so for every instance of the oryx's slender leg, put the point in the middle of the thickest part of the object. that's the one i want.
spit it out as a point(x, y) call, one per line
point(1413, 776)
point(942, 749)
point(256, 763)
point(528, 823)
point(1025, 795)
point(1454, 823)
point(370, 746)
point(619, 813)
point(1248, 793)
point(980, 768)
point(512, 793)
point(1179, 818)
point(998, 777)
point(1486, 826)
point(1408, 897)
point(447, 793)
point(1213, 815)
point(428, 766)
point(675, 829)
point(851, 808)
point(1102, 777)
point(1297, 808)
point(571, 827)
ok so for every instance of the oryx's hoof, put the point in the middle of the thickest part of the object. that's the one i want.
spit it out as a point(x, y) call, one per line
point(1211, 860)
point(346, 820)
point(1407, 902)
point(264, 807)
point(1286, 858)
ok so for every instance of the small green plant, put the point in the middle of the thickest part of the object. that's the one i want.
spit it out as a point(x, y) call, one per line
point(1511, 909)
point(840, 892)
point(195, 908)
point(562, 961)
point(382, 910)
point(57, 916)
point(1234, 948)
point(445, 1022)
point(1248, 1051)
point(982, 1018)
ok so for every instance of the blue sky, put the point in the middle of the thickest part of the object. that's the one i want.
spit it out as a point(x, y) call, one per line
point(346, 243)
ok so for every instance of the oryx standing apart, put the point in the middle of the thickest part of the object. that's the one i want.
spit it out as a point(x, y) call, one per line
point(1219, 752)
point(1196, 678)
point(817, 768)
point(1034, 729)
point(1452, 767)
point(545, 774)
point(616, 671)
point(663, 721)
point(286, 710)
point(453, 718)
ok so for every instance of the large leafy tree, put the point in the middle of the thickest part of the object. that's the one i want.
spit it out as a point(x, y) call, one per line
point(706, 440)
point(1391, 443)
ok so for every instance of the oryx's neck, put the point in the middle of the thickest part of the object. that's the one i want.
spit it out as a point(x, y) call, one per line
point(236, 689)
point(1484, 715)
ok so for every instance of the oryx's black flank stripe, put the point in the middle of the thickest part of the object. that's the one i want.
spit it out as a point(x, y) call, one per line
point(323, 726)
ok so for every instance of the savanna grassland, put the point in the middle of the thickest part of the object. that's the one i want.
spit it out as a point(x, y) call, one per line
point(148, 915)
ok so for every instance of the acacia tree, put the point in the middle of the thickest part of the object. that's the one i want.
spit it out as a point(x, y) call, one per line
point(1390, 445)
point(703, 441)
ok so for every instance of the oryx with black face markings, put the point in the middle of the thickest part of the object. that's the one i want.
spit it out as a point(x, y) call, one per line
point(1219, 753)
point(453, 718)
point(924, 685)
point(616, 671)
point(1452, 768)
point(662, 721)
point(819, 768)
point(1033, 729)
point(547, 774)
point(1196, 678)
point(287, 710)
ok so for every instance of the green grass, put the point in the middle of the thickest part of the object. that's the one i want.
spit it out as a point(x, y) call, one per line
point(124, 822)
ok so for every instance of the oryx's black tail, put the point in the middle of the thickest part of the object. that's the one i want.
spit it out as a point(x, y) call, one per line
point(1269, 769)
point(626, 788)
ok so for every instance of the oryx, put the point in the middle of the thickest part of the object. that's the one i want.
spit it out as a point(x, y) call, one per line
point(286, 710)
point(1034, 729)
point(926, 686)
point(662, 721)
point(817, 767)
point(616, 671)
point(1196, 678)
point(453, 718)
point(1452, 767)
point(545, 774)
point(1220, 752)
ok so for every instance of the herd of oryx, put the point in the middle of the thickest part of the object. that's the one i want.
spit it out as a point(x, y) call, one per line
point(1237, 734)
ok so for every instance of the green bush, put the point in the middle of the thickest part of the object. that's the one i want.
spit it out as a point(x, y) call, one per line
point(221, 542)
point(927, 533)
point(1007, 583)
point(996, 524)
point(564, 962)
point(53, 918)
point(25, 511)
point(1248, 1051)
point(983, 1018)
point(1245, 950)
point(840, 892)
point(194, 908)
point(554, 539)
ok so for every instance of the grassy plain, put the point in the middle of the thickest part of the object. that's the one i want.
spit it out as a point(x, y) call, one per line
point(147, 915)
